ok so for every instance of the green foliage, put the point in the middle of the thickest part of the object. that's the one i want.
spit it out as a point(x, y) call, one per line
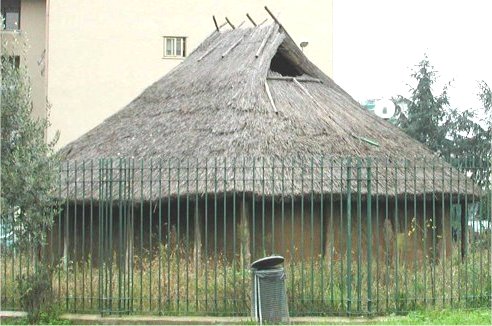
point(426, 119)
point(28, 163)
point(28, 178)
point(449, 132)
point(35, 293)
point(443, 317)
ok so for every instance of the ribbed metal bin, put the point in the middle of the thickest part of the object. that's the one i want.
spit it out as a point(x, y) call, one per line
point(269, 297)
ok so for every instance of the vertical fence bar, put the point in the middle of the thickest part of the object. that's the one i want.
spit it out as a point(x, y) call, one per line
point(141, 249)
point(197, 237)
point(215, 237)
point(168, 235)
point(332, 236)
point(474, 220)
point(349, 236)
point(378, 233)
point(206, 235)
point(396, 238)
point(359, 234)
point(245, 242)
point(312, 255)
point(120, 234)
point(451, 233)
point(178, 233)
point(273, 251)
point(443, 235)
point(405, 231)
point(322, 229)
point(425, 250)
point(387, 234)
point(83, 236)
point(187, 241)
point(263, 222)
point(225, 259)
point(460, 234)
point(292, 214)
point(369, 236)
point(303, 283)
point(234, 238)
point(253, 200)
point(434, 226)
point(65, 242)
point(151, 219)
point(60, 232)
point(340, 238)
point(111, 249)
point(160, 237)
point(465, 232)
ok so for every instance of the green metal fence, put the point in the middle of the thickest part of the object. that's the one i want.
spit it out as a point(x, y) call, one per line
point(360, 235)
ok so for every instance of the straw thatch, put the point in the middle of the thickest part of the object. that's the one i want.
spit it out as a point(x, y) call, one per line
point(235, 96)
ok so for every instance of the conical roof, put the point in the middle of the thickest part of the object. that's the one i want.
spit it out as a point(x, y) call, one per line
point(247, 93)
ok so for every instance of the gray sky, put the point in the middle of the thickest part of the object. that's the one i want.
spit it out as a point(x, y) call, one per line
point(377, 43)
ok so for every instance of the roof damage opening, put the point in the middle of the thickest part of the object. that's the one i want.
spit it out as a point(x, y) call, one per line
point(283, 65)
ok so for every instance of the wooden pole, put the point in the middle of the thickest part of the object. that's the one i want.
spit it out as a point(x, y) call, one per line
point(215, 23)
point(270, 97)
point(277, 21)
point(232, 47)
point(251, 19)
point(263, 43)
point(244, 235)
point(197, 250)
point(227, 20)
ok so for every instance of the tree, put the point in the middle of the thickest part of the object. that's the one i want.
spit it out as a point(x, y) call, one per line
point(445, 130)
point(426, 119)
point(28, 178)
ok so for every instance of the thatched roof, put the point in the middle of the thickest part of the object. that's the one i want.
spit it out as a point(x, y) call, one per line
point(247, 92)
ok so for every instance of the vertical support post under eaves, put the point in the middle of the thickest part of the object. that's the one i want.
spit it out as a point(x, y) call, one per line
point(197, 249)
point(244, 235)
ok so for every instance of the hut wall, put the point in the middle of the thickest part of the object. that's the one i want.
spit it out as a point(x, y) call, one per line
point(294, 229)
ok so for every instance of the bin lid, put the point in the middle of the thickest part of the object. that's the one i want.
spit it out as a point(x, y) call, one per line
point(267, 262)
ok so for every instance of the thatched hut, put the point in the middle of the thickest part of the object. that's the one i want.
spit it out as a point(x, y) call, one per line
point(243, 149)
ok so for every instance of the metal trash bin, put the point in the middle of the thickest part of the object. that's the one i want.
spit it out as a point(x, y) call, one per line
point(269, 297)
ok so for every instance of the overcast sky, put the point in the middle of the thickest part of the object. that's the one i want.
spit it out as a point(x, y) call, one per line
point(377, 43)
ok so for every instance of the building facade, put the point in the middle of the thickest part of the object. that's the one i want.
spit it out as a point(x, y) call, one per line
point(91, 58)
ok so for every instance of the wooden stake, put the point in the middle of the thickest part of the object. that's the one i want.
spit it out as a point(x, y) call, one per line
point(227, 20)
point(304, 89)
point(209, 51)
point(197, 248)
point(270, 97)
point(232, 47)
point(215, 22)
point(251, 19)
point(263, 43)
point(244, 236)
point(299, 79)
point(276, 20)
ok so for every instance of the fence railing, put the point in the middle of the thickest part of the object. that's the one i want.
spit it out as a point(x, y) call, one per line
point(360, 235)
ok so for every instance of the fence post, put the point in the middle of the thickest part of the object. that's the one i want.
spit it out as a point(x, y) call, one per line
point(349, 236)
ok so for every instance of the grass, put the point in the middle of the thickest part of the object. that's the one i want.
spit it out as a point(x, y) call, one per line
point(480, 316)
point(477, 316)
point(171, 282)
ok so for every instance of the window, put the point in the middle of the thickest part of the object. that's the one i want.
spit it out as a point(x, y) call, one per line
point(11, 14)
point(174, 47)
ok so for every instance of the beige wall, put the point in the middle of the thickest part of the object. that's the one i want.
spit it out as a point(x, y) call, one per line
point(29, 44)
point(33, 26)
point(104, 53)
